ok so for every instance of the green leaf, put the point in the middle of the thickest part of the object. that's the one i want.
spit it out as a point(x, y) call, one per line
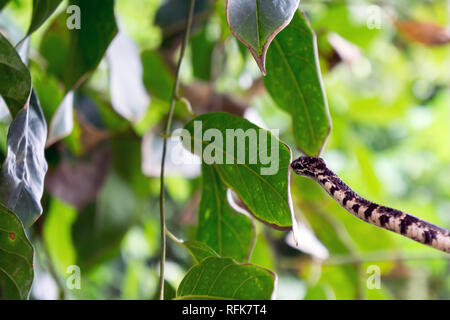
point(199, 250)
point(202, 52)
point(88, 45)
point(229, 233)
point(48, 89)
point(223, 278)
point(263, 254)
point(256, 23)
point(22, 175)
point(57, 234)
point(54, 47)
point(16, 258)
point(42, 10)
point(265, 193)
point(294, 81)
point(15, 79)
point(157, 77)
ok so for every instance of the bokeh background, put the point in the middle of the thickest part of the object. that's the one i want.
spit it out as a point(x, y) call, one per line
point(385, 68)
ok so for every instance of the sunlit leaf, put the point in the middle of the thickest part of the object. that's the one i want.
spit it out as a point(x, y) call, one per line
point(341, 20)
point(22, 175)
point(223, 278)
point(264, 188)
point(256, 23)
point(57, 234)
point(16, 258)
point(15, 79)
point(295, 83)
point(229, 233)
point(263, 254)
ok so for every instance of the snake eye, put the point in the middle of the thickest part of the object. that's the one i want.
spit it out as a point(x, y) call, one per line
point(306, 165)
point(297, 164)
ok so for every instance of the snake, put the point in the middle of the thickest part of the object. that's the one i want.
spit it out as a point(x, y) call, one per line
point(381, 216)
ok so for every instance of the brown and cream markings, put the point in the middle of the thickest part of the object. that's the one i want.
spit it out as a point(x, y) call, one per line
point(391, 219)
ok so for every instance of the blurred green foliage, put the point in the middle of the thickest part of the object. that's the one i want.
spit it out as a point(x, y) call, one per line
point(390, 109)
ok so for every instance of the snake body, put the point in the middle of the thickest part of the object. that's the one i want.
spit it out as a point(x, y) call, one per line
point(384, 217)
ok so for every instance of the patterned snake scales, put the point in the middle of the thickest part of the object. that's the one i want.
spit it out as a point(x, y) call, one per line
point(391, 219)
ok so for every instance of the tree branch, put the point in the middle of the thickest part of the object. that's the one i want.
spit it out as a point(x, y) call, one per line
point(166, 134)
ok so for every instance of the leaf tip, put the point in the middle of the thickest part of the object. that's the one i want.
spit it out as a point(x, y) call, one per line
point(260, 61)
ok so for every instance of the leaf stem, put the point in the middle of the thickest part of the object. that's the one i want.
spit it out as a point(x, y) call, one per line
point(173, 237)
point(168, 126)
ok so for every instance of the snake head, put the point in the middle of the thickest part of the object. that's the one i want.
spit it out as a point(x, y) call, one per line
point(308, 166)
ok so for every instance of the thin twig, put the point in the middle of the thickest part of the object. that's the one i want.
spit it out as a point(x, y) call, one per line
point(163, 160)
point(173, 237)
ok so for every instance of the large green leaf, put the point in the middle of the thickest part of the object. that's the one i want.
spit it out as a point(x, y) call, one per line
point(22, 175)
point(223, 278)
point(229, 233)
point(266, 194)
point(294, 82)
point(256, 23)
point(16, 258)
point(15, 79)
point(88, 44)
point(42, 10)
